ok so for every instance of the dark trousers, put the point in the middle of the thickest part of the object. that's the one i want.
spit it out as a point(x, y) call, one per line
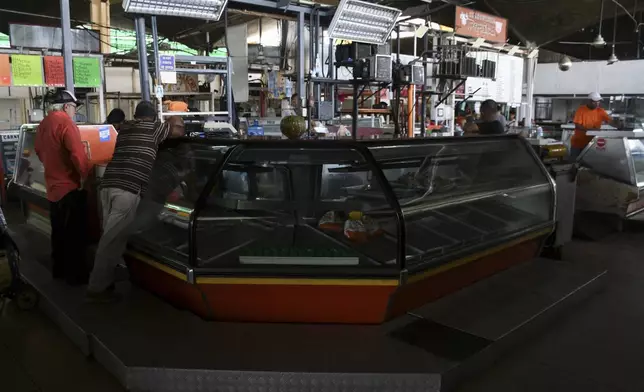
point(68, 218)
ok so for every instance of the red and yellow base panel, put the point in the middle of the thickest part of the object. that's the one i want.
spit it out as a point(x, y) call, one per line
point(318, 300)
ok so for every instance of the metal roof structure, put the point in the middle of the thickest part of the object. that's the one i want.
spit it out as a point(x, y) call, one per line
point(544, 22)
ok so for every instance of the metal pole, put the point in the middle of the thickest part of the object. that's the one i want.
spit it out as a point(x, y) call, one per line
point(300, 55)
point(101, 95)
point(229, 90)
point(309, 87)
point(144, 75)
point(356, 93)
point(423, 97)
point(354, 112)
point(65, 24)
point(532, 67)
point(331, 96)
point(395, 110)
point(318, 88)
point(229, 74)
point(155, 46)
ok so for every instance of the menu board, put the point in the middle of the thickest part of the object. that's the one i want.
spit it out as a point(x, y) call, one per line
point(54, 71)
point(509, 79)
point(87, 72)
point(5, 70)
point(27, 70)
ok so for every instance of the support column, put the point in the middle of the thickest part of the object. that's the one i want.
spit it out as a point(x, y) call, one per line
point(423, 98)
point(301, 72)
point(99, 13)
point(155, 46)
point(144, 75)
point(65, 24)
point(531, 69)
point(331, 74)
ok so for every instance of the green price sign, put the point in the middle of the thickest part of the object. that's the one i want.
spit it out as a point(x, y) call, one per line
point(87, 72)
point(27, 70)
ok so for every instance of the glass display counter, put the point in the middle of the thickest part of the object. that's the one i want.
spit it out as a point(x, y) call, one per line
point(28, 181)
point(322, 231)
point(334, 231)
point(612, 176)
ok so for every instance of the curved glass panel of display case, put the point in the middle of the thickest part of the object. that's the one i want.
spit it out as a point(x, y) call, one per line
point(294, 209)
point(636, 147)
point(29, 173)
point(178, 178)
point(459, 195)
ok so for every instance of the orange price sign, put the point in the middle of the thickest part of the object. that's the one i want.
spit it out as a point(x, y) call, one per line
point(54, 71)
point(5, 70)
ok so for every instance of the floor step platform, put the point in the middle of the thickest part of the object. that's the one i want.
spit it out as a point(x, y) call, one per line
point(151, 346)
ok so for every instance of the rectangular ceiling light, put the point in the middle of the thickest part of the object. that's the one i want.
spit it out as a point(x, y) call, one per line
point(198, 9)
point(360, 21)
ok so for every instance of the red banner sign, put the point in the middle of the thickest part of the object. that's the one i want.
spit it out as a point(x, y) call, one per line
point(54, 71)
point(473, 23)
point(5, 70)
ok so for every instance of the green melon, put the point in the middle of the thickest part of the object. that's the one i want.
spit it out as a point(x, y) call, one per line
point(293, 126)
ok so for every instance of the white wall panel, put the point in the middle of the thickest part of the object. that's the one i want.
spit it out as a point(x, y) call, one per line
point(11, 113)
point(121, 79)
point(624, 77)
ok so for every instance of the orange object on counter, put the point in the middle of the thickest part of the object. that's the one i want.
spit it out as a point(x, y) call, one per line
point(354, 228)
point(99, 141)
point(176, 106)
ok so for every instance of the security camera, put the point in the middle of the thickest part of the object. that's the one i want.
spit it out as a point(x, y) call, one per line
point(565, 63)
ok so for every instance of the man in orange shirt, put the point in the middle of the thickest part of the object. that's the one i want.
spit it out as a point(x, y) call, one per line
point(588, 117)
point(60, 149)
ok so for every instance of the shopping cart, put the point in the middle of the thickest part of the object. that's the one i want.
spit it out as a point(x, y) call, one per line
point(11, 284)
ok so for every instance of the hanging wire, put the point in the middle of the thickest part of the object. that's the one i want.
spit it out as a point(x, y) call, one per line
point(614, 29)
point(601, 17)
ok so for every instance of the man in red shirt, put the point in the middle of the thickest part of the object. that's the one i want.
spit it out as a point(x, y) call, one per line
point(59, 147)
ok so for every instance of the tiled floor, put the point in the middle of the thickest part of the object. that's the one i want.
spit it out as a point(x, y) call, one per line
point(598, 347)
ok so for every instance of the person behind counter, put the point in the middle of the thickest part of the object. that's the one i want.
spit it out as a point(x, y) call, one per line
point(490, 124)
point(125, 180)
point(116, 118)
point(587, 117)
point(60, 149)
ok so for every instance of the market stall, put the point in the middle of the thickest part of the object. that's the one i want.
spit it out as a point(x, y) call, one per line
point(344, 232)
point(611, 179)
point(339, 232)
point(28, 182)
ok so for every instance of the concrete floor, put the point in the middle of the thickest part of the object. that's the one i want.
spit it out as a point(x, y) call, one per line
point(36, 356)
point(598, 347)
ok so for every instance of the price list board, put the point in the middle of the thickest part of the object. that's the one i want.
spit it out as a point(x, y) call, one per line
point(54, 71)
point(87, 72)
point(27, 70)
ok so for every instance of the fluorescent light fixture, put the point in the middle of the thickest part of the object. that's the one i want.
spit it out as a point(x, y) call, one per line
point(198, 9)
point(403, 34)
point(360, 21)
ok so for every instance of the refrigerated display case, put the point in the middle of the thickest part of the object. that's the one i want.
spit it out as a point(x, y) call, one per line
point(28, 182)
point(335, 231)
point(611, 180)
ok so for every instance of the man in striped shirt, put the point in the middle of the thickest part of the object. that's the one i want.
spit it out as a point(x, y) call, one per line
point(124, 182)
